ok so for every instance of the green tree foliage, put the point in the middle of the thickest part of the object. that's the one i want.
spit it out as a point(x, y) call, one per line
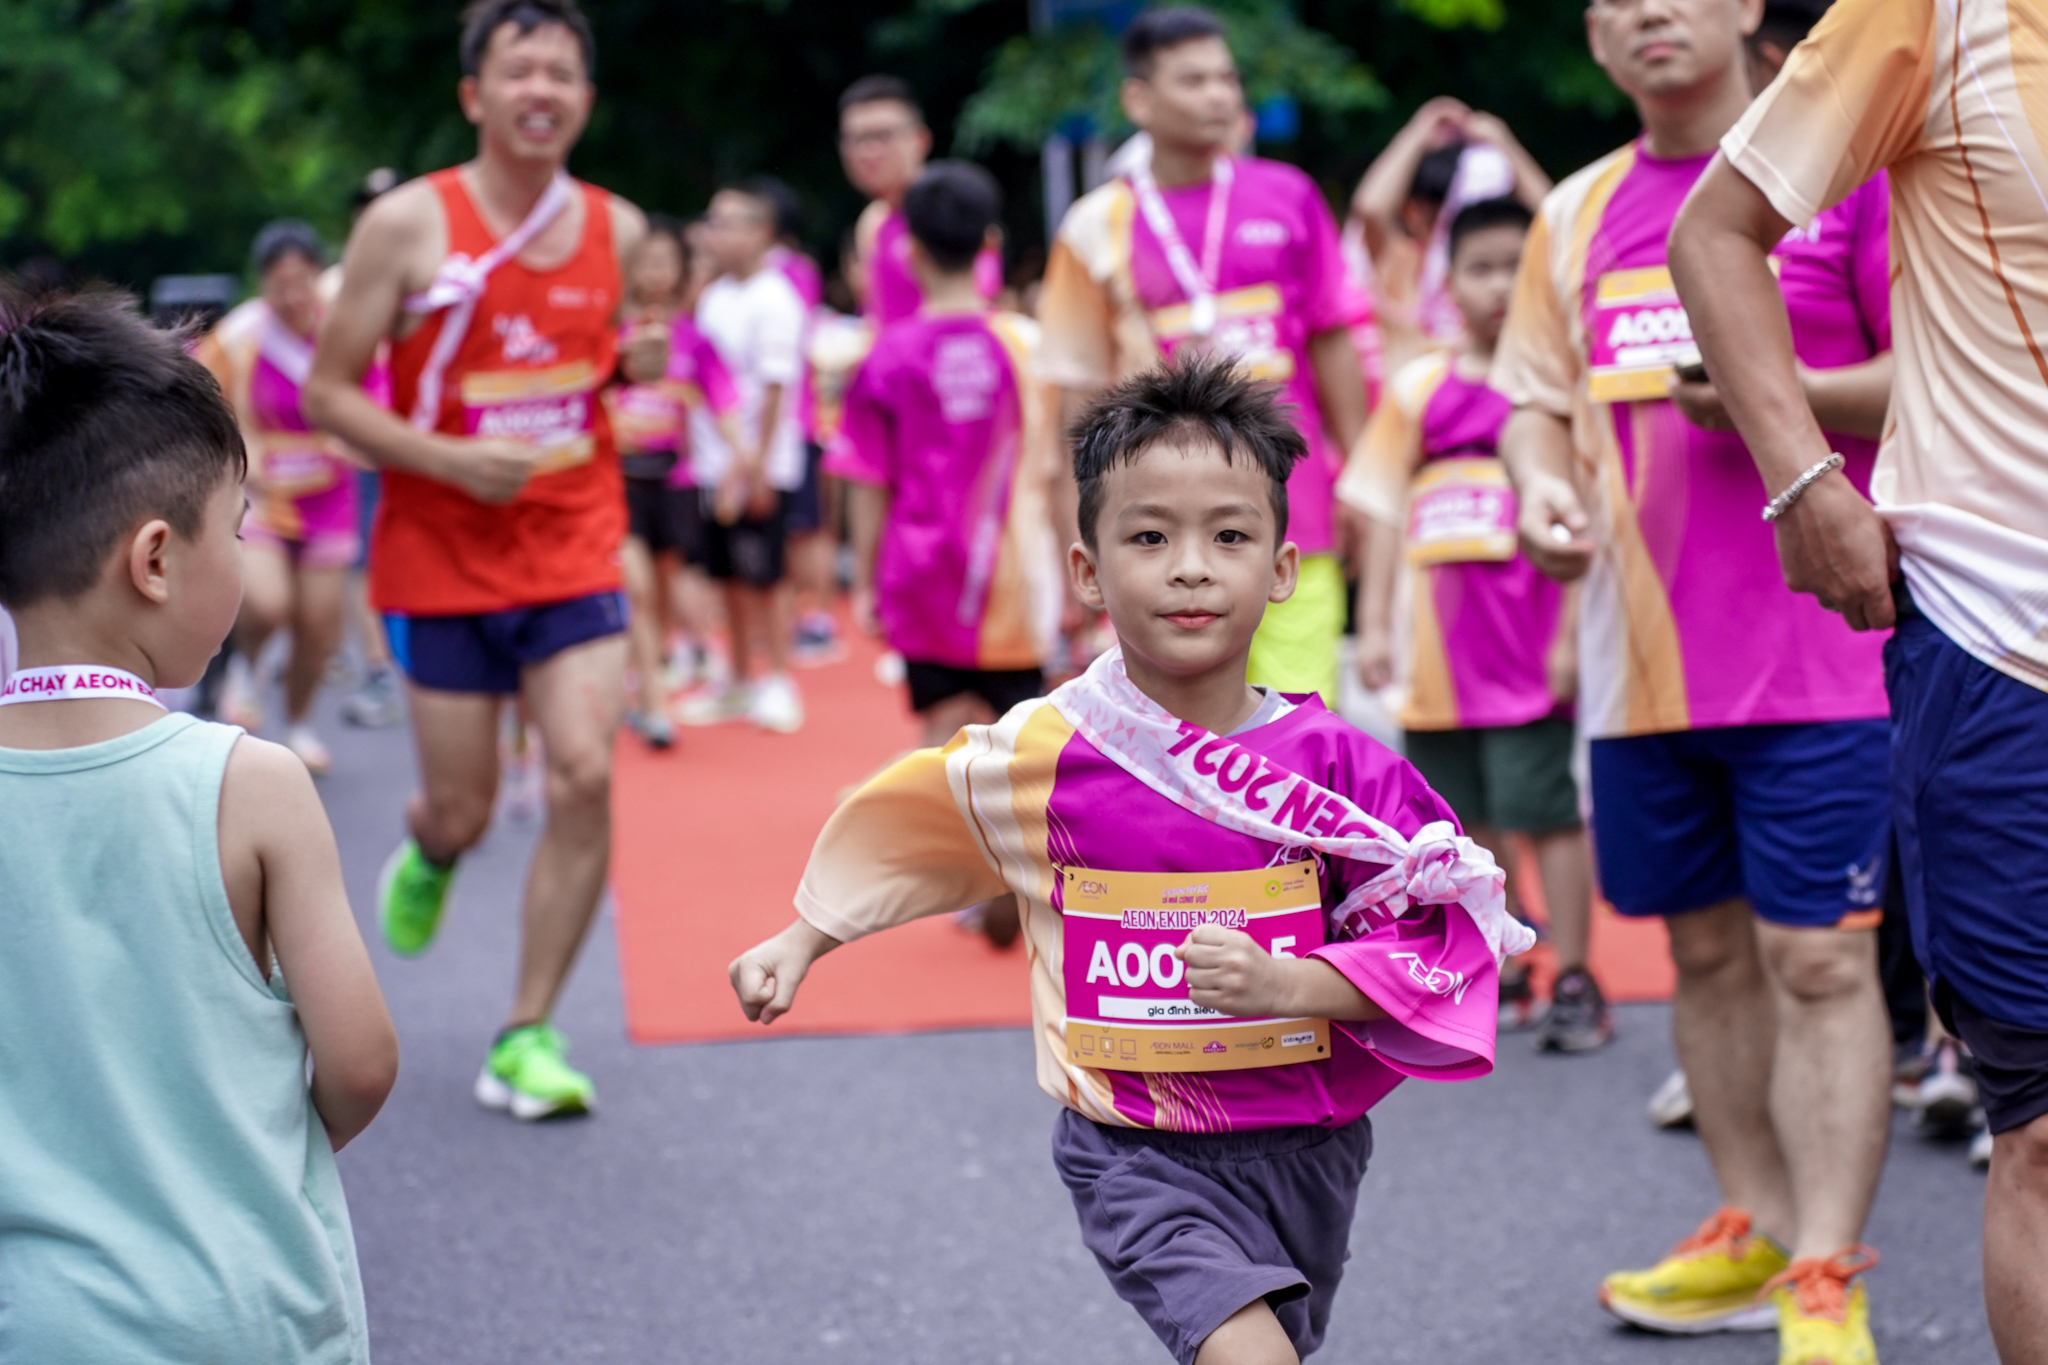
point(140, 137)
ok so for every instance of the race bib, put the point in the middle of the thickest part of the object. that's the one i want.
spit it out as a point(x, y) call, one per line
point(292, 469)
point(550, 408)
point(1247, 328)
point(1127, 999)
point(645, 416)
point(1638, 337)
point(1461, 511)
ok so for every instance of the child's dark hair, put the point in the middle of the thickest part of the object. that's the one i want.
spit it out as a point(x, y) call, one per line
point(950, 209)
point(1189, 401)
point(483, 18)
point(876, 90)
point(1156, 30)
point(1431, 183)
point(105, 422)
point(785, 210)
point(287, 237)
point(1506, 211)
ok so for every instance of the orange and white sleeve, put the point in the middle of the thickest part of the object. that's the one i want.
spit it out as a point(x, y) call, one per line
point(1537, 364)
point(1376, 477)
point(1077, 321)
point(1852, 99)
point(898, 849)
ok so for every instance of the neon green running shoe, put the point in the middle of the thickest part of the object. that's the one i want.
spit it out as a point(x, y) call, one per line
point(526, 1076)
point(410, 894)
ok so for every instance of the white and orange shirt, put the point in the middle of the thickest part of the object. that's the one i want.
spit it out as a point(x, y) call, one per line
point(1950, 98)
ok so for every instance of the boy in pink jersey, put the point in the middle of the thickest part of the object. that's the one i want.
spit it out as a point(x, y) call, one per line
point(1739, 740)
point(1197, 248)
point(1248, 921)
point(1491, 664)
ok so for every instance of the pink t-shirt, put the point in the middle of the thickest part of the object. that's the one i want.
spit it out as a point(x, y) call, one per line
point(1687, 622)
point(936, 415)
point(695, 381)
point(893, 292)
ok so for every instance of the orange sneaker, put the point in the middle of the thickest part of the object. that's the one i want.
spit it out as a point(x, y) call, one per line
point(1823, 1310)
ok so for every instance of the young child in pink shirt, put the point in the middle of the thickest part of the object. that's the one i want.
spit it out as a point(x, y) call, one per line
point(1247, 920)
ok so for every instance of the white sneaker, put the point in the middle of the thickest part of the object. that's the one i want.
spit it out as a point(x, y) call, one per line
point(303, 742)
point(717, 705)
point(238, 704)
point(1980, 1149)
point(777, 706)
point(1671, 1106)
point(1947, 1098)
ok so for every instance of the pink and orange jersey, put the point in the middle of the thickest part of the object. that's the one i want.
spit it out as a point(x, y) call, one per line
point(1686, 622)
point(1030, 806)
point(945, 414)
point(1948, 98)
point(1482, 619)
point(1112, 306)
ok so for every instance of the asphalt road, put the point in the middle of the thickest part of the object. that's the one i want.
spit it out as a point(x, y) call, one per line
point(892, 1199)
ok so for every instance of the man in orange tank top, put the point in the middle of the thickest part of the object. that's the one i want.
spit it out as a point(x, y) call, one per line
point(495, 552)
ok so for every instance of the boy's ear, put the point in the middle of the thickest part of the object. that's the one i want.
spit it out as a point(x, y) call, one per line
point(1081, 571)
point(1286, 573)
point(149, 551)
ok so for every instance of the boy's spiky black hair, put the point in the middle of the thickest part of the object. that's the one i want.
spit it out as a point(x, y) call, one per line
point(105, 422)
point(1506, 211)
point(950, 209)
point(1200, 398)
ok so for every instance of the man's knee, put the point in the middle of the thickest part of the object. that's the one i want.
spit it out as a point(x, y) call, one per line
point(1814, 966)
point(579, 777)
point(1713, 942)
point(2023, 1151)
point(455, 816)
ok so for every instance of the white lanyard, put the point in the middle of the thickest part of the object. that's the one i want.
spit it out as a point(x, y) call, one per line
point(1198, 282)
point(76, 682)
point(459, 285)
point(290, 353)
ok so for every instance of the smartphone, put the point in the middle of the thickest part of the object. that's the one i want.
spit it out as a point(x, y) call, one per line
point(1695, 373)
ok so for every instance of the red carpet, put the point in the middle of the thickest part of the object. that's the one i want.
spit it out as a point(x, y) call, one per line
point(711, 841)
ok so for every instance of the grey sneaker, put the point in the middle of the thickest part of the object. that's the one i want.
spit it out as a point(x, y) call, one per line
point(377, 703)
point(1577, 1021)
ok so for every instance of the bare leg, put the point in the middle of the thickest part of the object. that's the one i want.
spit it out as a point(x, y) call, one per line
point(2016, 1244)
point(369, 625)
point(318, 616)
point(745, 612)
point(266, 597)
point(1564, 862)
point(1725, 1029)
point(778, 614)
point(643, 593)
point(1250, 1336)
point(456, 737)
point(576, 698)
point(1830, 1077)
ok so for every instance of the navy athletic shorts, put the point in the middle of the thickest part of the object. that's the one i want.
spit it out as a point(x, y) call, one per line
point(487, 652)
point(1791, 817)
point(1969, 787)
point(1191, 1227)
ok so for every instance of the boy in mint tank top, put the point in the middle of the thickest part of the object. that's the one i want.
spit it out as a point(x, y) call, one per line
point(174, 935)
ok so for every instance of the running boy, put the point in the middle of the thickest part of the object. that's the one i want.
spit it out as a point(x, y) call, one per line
point(1161, 793)
point(169, 1188)
point(1491, 660)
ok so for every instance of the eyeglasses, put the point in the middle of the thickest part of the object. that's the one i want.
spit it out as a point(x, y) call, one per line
point(875, 137)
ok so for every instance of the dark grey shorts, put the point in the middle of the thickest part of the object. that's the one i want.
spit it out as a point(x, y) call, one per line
point(1191, 1227)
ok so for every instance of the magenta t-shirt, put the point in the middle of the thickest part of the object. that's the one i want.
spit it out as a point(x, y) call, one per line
point(1754, 652)
point(697, 383)
point(935, 416)
point(1497, 619)
point(1281, 280)
point(893, 292)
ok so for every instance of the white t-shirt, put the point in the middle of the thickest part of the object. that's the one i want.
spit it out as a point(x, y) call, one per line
point(757, 326)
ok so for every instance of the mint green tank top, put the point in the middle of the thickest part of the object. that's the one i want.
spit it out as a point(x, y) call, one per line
point(167, 1191)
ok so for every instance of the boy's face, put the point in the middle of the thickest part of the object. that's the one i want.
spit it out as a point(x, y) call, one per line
point(1192, 98)
point(203, 581)
point(1482, 278)
point(1185, 559)
point(1665, 47)
point(738, 232)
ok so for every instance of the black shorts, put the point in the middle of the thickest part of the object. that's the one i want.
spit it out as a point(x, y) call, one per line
point(664, 518)
point(807, 504)
point(2011, 1062)
point(1002, 689)
point(751, 549)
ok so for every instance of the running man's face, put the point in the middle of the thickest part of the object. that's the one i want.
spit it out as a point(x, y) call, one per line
point(1665, 47)
point(1482, 278)
point(1186, 557)
point(1193, 97)
point(531, 94)
point(883, 145)
point(291, 290)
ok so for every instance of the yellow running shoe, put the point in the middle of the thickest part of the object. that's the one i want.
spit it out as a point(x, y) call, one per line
point(1712, 1281)
point(1823, 1311)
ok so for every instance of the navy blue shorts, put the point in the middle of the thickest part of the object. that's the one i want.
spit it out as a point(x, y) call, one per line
point(488, 651)
point(1969, 787)
point(806, 510)
point(1790, 817)
point(1191, 1227)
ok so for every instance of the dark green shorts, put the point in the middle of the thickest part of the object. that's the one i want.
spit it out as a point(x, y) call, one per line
point(1511, 777)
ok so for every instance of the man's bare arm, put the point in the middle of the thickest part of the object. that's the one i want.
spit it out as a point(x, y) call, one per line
point(1536, 446)
point(1340, 384)
point(1831, 543)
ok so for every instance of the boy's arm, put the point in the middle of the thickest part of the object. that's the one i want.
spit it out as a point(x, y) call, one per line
point(270, 813)
point(867, 508)
point(1340, 384)
point(1384, 188)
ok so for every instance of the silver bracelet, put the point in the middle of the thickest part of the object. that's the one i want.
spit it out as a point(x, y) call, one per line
point(1780, 505)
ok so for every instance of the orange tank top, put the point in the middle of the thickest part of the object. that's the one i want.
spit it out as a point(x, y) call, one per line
point(540, 347)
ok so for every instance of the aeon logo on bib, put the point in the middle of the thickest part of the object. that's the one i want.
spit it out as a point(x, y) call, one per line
point(1649, 327)
point(523, 343)
point(1263, 232)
